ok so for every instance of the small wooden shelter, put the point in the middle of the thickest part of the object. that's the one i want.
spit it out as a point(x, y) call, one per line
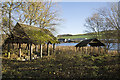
point(89, 42)
point(29, 35)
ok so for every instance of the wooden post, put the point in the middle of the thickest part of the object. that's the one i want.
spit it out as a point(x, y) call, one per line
point(82, 50)
point(28, 48)
point(48, 49)
point(30, 51)
point(86, 50)
point(8, 50)
point(13, 45)
point(98, 50)
point(90, 49)
point(79, 48)
point(75, 49)
point(36, 48)
point(19, 49)
point(41, 50)
point(17, 46)
point(53, 48)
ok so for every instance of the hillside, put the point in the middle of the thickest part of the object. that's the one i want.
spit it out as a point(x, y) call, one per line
point(76, 36)
point(87, 35)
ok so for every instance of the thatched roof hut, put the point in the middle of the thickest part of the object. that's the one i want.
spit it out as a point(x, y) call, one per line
point(23, 33)
point(29, 35)
point(92, 42)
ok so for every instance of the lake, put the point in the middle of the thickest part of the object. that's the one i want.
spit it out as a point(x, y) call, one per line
point(113, 46)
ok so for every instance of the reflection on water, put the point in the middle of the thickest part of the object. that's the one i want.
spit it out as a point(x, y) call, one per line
point(113, 46)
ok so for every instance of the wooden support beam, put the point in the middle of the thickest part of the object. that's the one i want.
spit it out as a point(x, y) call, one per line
point(36, 48)
point(28, 48)
point(41, 50)
point(19, 49)
point(82, 50)
point(13, 45)
point(86, 50)
point(30, 51)
point(79, 48)
point(8, 50)
point(90, 49)
point(48, 49)
point(54, 48)
point(75, 49)
point(17, 46)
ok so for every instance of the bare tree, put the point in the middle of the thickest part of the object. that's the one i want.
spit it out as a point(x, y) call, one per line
point(111, 15)
point(94, 24)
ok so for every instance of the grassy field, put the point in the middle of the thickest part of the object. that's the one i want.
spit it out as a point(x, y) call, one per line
point(64, 64)
point(88, 36)
point(77, 36)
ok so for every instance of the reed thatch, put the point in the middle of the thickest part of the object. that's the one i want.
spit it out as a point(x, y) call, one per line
point(92, 42)
point(23, 33)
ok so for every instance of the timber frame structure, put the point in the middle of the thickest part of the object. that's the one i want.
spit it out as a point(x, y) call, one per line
point(29, 35)
point(91, 42)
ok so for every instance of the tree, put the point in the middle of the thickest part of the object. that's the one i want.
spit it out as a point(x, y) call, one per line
point(94, 24)
point(8, 9)
point(41, 14)
point(111, 15)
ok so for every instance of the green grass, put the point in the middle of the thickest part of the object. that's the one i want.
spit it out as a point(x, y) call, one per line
point(77, 36)
point(64, 66)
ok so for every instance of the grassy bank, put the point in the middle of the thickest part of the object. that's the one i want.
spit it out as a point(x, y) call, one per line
point(64, 65)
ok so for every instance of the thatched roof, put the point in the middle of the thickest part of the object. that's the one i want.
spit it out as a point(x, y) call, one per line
point(23, 33)
point(91, 42)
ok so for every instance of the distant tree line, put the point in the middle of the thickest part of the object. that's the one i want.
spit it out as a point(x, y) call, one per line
point(64, 35)
point(106, 21)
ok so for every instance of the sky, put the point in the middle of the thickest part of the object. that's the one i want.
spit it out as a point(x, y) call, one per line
point(74, 15)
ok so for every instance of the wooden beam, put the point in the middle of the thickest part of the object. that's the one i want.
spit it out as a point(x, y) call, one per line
point(54, 48)
point(48, 49)
point(19, 49)
point(86, 50)
point(28, 48)
point(13, 45)
point(79, 48)
point(41, 50)
point(90, 49)
point(30, 51)
point(8, 50)
point(75, 49)
point(36, 48)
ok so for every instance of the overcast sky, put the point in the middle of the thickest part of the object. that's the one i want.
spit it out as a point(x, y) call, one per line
point(74, 15)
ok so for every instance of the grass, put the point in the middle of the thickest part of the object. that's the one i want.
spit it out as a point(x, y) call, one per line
point(63, 65)
point(76, 36)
